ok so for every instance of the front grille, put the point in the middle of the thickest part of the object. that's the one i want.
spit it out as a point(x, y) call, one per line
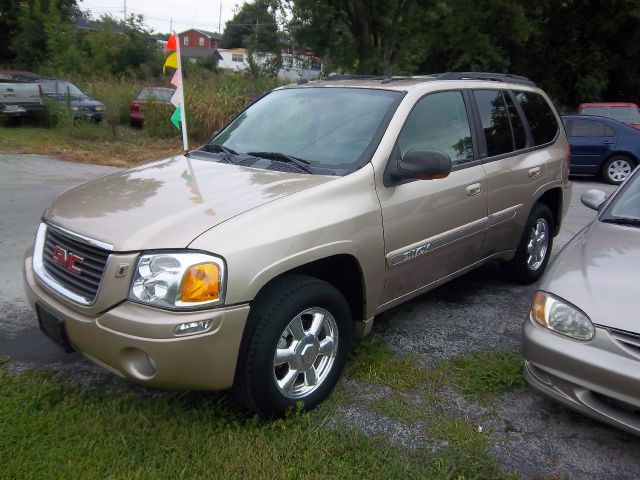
point(94, 261)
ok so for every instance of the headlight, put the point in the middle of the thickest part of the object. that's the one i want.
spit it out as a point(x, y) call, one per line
point(100, 108)
point(182, 281)
point(75, 109)
point(561, 317)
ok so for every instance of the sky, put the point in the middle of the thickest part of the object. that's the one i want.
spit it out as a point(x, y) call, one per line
point(204, 14)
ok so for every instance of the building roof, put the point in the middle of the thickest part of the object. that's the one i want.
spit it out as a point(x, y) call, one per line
point(193, 52)
point(206, 33)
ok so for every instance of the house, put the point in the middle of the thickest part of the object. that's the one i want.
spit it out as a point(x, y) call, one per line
point(295, 66)
point(233, 59)
point(196, 44)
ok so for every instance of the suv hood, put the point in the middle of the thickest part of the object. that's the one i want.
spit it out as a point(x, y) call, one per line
point(597, 272)
point(167, 204)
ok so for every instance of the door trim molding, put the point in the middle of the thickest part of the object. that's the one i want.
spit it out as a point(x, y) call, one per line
point(411, 252)
point(504, 215)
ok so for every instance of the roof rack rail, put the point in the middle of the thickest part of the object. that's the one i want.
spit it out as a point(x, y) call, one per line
point(335, 76)
point(497, 77)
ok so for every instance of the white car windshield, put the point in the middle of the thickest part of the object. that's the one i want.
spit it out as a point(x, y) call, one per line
point(326, 126)
point(626, 205)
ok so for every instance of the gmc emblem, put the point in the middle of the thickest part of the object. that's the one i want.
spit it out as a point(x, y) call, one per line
point(66, 259)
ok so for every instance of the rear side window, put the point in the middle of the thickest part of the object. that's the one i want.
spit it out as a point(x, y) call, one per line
point(588, 128)
point(542, 121)
point(439, 121)
point(495, 122)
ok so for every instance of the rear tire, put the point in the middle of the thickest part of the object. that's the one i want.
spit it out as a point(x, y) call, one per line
point(534, 249)
point(617, 169)
point(295, 346)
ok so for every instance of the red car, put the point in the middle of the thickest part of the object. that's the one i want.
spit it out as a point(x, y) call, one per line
point(158, 94)
point(628, 113)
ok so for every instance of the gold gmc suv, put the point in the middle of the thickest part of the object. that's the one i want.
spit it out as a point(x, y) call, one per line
point(251, 262)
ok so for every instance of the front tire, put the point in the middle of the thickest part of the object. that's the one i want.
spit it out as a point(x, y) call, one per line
point(295, 346)
point(616, 169)
point(534, 249)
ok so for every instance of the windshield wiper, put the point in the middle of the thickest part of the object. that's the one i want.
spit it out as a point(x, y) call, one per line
point(227, 153)
point(301, 163)
point(634, 222)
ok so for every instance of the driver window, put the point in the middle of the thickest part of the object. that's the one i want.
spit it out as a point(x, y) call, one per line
point(439, 122)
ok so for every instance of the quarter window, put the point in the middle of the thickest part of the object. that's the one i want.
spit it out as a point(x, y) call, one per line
point(588, 128)
point(439, 122)
point(542, 121)
point(495, 122)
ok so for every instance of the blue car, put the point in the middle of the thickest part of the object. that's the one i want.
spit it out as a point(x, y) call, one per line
point(602, 146)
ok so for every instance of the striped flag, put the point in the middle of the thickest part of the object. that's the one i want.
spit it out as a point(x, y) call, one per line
point(172, 60)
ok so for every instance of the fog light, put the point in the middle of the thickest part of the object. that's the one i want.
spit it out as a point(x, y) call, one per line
point(192, 327)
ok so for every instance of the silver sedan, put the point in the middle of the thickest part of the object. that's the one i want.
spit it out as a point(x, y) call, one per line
point(581, 344)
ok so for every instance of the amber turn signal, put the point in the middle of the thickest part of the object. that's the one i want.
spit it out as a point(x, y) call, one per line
point(538, 308)
point(201, 283)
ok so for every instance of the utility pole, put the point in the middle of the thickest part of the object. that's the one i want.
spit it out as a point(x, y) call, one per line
point(255, 46)
point(125, 10)
point(220, 20)
point(171, 26)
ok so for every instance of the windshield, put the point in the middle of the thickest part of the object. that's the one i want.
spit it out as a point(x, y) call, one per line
point(60, 87)
point(626, 205)
point(328, 127)
point(621, 114)
point(157, 94)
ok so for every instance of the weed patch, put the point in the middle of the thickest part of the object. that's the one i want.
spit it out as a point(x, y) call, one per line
point(374, 362)
point(483, 375)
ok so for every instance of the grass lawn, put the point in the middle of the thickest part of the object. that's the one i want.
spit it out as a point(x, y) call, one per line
point(51, 429)
point(88, 144)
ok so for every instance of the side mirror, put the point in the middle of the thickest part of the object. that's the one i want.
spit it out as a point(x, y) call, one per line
point(593, 199)
point(419, 165)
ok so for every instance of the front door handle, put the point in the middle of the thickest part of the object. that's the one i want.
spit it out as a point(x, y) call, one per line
point(474, 189)
point(535, 172)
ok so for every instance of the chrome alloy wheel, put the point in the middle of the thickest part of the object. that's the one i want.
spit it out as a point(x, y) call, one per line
point(619, 170)
point(305, 353)
point(538, 244)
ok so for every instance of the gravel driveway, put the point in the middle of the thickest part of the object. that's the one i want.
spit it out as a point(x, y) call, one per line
point(478, 311)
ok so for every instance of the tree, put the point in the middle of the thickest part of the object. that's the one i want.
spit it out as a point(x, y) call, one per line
point(26, 23)
point(254, 27)
point(377, 32)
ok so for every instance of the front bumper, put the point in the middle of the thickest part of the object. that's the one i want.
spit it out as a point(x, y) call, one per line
point(599, 378)
point(137, 342)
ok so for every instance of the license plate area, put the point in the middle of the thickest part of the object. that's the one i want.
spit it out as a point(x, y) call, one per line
point(53, 327)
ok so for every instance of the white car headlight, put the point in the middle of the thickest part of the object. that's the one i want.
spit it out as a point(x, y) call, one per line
point(562, 317)
point(100, 108)
point(75, 109)
point(179, 281)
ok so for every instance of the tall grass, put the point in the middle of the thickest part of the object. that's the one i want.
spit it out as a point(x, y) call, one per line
point(212, 99)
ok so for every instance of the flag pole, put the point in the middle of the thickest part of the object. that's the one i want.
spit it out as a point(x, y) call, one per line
point(183, 120)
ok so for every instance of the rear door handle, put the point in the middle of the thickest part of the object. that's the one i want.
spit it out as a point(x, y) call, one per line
point(474, 189)
point(535, 172)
